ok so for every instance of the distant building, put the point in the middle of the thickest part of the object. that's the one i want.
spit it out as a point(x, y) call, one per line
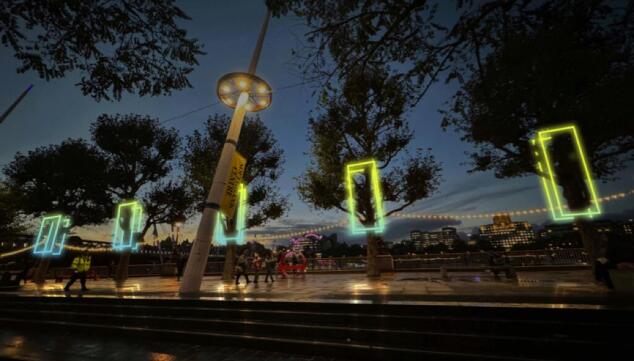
point(560, 235)
point(446, 236)
point(504, 233)
point(628, 227)
point(415, 238)
point(557, 230)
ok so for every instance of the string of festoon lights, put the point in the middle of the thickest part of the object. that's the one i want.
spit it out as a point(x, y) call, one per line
point(430, 216)
point(344, 222)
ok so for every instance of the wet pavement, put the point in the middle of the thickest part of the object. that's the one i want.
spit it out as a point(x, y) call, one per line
point(57, 346)
point(571, 288)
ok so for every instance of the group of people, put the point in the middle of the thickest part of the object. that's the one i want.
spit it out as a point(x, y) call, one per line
point(257, 264)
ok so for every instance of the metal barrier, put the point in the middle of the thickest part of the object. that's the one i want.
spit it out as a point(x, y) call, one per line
point(562, 257)
point(567, 257)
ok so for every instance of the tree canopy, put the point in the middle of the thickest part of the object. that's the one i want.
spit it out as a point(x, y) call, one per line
point(66, 177)
point(365, 119)
point(10, 215)
point(264, 164)
point(408, 35)
point(131, 158)
point(117, 47)
point(138, 149)
point(558, 63)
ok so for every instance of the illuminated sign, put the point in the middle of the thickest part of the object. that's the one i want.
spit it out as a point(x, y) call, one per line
point(127, 226)
point(368, 168)
point(558, 210)
point(52, 235)
point(241, 220)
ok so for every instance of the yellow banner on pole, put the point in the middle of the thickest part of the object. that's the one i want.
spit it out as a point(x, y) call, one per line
point(230, 197)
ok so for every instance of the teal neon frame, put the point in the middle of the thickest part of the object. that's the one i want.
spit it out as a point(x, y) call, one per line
point(51, 243)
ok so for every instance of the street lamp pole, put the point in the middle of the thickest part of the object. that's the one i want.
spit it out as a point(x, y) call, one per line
point(15, 104)
point(253, 94)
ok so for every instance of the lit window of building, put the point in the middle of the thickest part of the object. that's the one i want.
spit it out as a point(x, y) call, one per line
point(446, 236)
point(504, 233)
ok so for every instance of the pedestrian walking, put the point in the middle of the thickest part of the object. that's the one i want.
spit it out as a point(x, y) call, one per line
point(182, 261)
point(257, 266)
point(242, 268)
point(80, 266)
point(111, 267)
point(270, 262)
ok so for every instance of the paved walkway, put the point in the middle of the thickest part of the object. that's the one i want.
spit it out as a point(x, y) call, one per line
point(551, 289)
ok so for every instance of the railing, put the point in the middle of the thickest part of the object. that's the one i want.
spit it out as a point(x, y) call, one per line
point(572, 256)
point(563, 257)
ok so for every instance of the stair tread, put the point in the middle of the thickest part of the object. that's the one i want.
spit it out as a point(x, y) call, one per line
point(312, 326)
point(268, 339)
point(326, 314)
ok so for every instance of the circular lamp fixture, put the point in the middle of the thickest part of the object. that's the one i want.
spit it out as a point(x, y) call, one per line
point(231, 85)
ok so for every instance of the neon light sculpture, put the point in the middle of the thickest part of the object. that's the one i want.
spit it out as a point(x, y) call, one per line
point(127, 226)
point(557, 209)
point(241, 221)
point(52, 235)
point(363, 167)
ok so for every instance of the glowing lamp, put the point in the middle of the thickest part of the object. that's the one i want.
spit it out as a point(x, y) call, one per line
point(231, 85)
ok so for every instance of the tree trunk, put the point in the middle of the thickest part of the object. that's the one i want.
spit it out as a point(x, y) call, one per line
point(124, 260)
point(372, 268)
point(593, 242)
point(231, 250)
point(228, 272)
point(39, 277)
point(122, 268)
point(577, 195)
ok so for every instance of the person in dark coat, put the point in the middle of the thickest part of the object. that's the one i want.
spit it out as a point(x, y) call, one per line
point(242, 266)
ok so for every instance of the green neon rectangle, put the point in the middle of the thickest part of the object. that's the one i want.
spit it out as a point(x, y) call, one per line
point(238, 238)
point(361, 167)
point(558, 210)
point(125, 239)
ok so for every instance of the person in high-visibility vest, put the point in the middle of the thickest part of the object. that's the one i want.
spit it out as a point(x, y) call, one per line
point(80, 266)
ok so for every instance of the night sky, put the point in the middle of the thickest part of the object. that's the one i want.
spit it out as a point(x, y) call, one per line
point(57, 110)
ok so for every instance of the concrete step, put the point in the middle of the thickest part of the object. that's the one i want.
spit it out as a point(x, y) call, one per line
point(474, 322)
point(369, 331)
point(315, 347)
point(437, 341)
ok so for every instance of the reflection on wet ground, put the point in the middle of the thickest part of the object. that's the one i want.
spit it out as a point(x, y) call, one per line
point(558, 287)
point(45, 346)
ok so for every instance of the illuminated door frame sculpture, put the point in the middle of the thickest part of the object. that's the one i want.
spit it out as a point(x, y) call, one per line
point(119, 243)
point(241, 220)
point(548, 179)
point(361, 167)
point(51, 247)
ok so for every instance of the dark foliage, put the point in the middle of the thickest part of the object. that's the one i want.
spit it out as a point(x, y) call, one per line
point(365, 120)
point(67, 178)
point(264, 164)
point(138, 149)
point(116, 46)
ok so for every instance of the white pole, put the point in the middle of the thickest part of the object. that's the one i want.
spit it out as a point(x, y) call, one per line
point(195, 269)
point(197, 261)
point(15, 104)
